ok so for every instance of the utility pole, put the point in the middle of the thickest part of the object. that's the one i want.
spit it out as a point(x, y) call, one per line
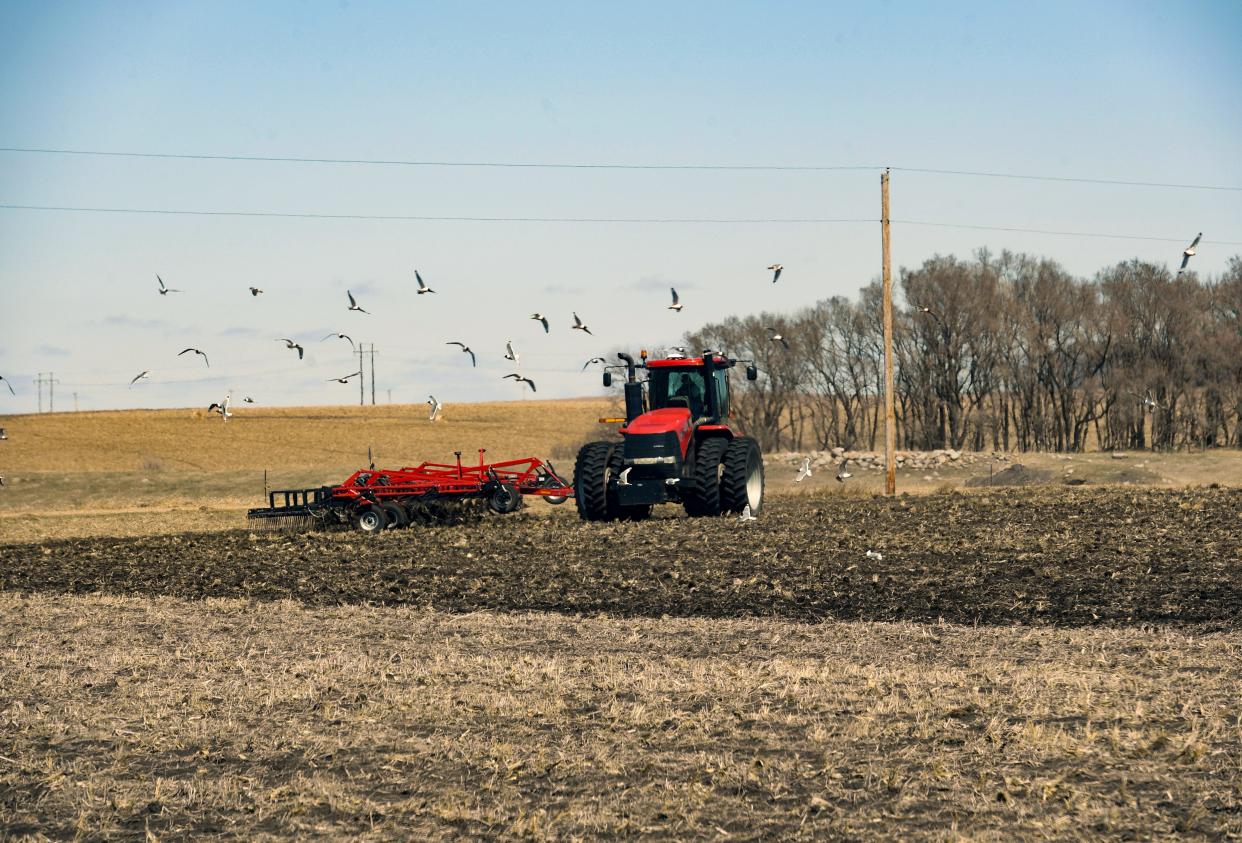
point(38, 382)
point(372, 374)
point(362, 378)
point(389, 391)
point(75, 402)
point(890, 431)
point(48, 378)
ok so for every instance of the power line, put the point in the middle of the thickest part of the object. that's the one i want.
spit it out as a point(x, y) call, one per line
point(1074, 179)
point(1093, 234)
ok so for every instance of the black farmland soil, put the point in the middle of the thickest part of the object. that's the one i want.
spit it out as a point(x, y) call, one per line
point(1066, 557)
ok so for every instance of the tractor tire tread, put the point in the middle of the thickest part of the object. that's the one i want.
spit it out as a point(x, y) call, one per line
point(590, 491)
point(705, 499)
point(734, 496)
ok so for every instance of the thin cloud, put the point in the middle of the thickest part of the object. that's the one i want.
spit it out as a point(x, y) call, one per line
point(653, 283)
point(126, 321)
point(52, 351)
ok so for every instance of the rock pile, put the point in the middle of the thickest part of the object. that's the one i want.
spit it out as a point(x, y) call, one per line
point(908, 460)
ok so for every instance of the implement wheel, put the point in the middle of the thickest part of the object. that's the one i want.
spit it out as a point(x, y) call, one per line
point(370, 520)
point(397, 517)
point(705, 499)
point(741, 484)
point(505, 499)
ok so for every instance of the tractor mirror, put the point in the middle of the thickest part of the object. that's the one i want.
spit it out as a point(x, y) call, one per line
point(607, 378)
point(752, 374)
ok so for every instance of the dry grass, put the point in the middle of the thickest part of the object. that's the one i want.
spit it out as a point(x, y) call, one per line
point(128, 716)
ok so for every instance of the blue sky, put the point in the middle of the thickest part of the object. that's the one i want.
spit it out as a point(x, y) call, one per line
point(1140, 91)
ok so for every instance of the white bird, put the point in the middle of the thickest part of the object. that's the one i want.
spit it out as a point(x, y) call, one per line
point(222, 409)
point(842, 474)
point(776, 337)
point(510, 354)
point(422, 285)
point(623, 479)
point(874, 554)
point(140, 376)
point(9, 385)
point(466, 349)
point(579, 325)
point(776, 272)
point(746, 515)
point(1190, 252)
point(291, 344)
point(165, 290)
point(341, 337)
point(346, 378)
point(521, 379)
point(353, 304)
point(592, 361)
point(436, 407)
point(1149, 403)
point(255, 291)
point(805, 471)
point(196, 351)
point(676, 305)
point(541, 319)
point(248, 400)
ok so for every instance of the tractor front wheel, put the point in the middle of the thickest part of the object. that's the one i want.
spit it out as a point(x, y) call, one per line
point(741, 484)
point(704, 498)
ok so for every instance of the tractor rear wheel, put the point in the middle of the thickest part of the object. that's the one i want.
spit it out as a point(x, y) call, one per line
point(591, 472)
point(705, 498)
point(741, 485)
point(370, 520)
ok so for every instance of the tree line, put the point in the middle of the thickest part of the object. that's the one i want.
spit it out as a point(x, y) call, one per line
point(1002, 352)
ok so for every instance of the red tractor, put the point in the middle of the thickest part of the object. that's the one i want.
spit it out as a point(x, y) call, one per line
point(676, 445)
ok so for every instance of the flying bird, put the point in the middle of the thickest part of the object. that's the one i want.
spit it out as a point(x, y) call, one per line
point(140, 376)
point(436, 407)
point(346, 378)
point(422, 285)
point(9, 385)
point(842, 474)
point(165, 290)
point(1189, 252)
point(1149, 403)
point(222, 409)
point(341, 337)
point(579, 325)
point(776, 337)
point(510, 354)
point(521, 379)
point(776, 272)
point(353, 304)
point(592, 361)
point(676, 305)
point(805, 471)
point(248, 400)
point(467, 350)
point(291, 344)
point(255, 291)
point(540, 318)
point(198, 351)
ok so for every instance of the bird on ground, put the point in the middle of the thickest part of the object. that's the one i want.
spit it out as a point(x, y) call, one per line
point(164, 289)
point(805, 471)
point(291, 344)
point(521, 379)
point(541, 319)
point(436, 407)
point(510, 354)
point(874, 554)
point(140, 376)
point(248, 400)
point(255, 291)
point(467, 350)
point(341, 337)
point(746, 515)
point(842, 474)
point(579, 325)
point(9, 385)
point(1189, 252)
point(676, 305)
point(346, 378)
point(592, 361)
point(776, 272)
point(196, 351)
point(776, 337)
point(353, 304)
point(222, 409)
point(422, 285)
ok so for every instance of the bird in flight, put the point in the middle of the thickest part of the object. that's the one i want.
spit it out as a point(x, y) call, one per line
point(422, 285)
point(510, 354)
point(592, 361)
point(140, 376)
point(842, 474)
point(353, 304)
point(467, 350)
point(291, 344)
point(196, 351)
point(346, 378)
point(676, 305)
point(255, 291)
point(541, 319)
point(776, 272)
point(1189, 252)
point(341, 337)
point(1149, 403)
point(805, 471)
point(521, 379)
point(436, 407)
point(9, 385)
point(248, 400)
point(165, 290)
point(222, 409)
point(776, 337)
point(579, 325)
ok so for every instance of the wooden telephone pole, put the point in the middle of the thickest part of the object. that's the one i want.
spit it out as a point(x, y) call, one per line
point(890, 430)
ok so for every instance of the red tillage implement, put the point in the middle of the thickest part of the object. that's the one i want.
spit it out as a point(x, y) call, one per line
point(374, 499)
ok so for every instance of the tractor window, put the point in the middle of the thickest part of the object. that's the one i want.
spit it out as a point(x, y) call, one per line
point(722, 392)
point(678, 388)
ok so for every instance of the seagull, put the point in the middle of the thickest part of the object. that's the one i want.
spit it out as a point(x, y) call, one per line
point(248, 400)
point(196, 351)
point(521, 379)
point(776, 272)
point(1149, 403)
point(255, 291)
point(593, 360)
point(164, 290)
point(139, 377)
point(510, 354)
point(746, 515)
point(1190, 252)
point(776, 337)
point(623, 479)
point(291, 344)
point(466, 349)
point(346, 378)
point(353, 305)
point(222, 409)
point(874, 554)
point(676, 305)
point(340, 337)
point(805, 471)
point(422, 285)
point(842, 474)
point(436, 407)
point(540, 318)
point(9, 385)
point(579, 325)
